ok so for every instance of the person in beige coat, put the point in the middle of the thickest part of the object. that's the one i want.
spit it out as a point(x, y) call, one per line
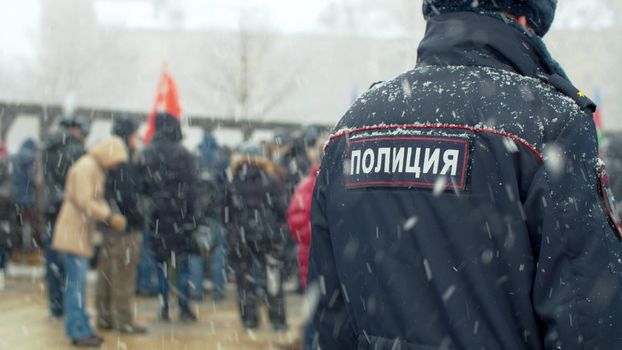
point(75, 233)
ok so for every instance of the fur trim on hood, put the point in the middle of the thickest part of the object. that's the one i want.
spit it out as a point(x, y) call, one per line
point(238, 161)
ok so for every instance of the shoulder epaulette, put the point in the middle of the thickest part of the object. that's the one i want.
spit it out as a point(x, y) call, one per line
point(564, 86)
point(373, 85)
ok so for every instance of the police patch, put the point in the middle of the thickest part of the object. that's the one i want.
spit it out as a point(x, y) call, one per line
point(408, 161)
point(608, 200)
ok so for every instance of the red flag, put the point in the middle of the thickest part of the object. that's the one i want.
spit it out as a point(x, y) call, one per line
point(598, 117)
point(167, 100)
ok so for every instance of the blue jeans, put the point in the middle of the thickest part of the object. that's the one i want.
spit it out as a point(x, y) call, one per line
point(76, 319)
point(309, 334)
point(183, 278)
point(54, 272)
point(146, 280)
point(55, 275)
point(218, 260)
point(217, 263)
point(4, 257)
point(195, 278)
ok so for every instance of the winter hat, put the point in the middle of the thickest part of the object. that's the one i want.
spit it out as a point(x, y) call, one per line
point(124, 127)
point(77, 121)
point(539, 13)
point(29, 145)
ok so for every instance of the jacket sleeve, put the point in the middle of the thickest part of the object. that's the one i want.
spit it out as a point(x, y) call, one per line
point(278, 199)
point(83, 194)
point(123, 187)
point(577, 291)
point(331, 320)
point(144, 184)
point(190, 193)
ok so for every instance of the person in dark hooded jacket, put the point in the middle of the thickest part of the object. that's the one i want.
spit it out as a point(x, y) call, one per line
point(61, 149)
point(24, 189)
point(7, 217)
point(255, 208)
point(462, 205)
point(170, 183)
point(213, 165)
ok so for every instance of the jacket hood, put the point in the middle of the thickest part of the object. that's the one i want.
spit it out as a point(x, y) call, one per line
point(209, 142)
point(209, 149)
point(29, 145)
point(109, 152)
point(27, 152)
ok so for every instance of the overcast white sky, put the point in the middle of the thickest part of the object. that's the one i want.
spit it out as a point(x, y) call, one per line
point(287, 15)
point(18, 29)
point(19, 19)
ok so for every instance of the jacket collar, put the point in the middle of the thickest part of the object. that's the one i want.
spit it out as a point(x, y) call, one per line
point(471, 39)
point(492, 40)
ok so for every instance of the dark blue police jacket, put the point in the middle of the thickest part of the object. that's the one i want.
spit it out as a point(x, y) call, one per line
point(462, 206)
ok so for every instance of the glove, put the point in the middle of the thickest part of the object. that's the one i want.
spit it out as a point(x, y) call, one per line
point(117, 221)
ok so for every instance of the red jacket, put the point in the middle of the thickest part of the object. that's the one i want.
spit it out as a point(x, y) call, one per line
point(299, 221)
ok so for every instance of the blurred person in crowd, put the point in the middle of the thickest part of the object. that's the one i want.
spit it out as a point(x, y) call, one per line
point(288, 153)
point(120, 251)
point(255, 209)
point(299, 216)
point(212, 166)
point(266, 150)
point(299, 221)
point(60, 150)
point(292, 154)
point(213, 157)
point(7, 217)
point(146, 275)
point(170, 186)
point(75, 233)
point(614, 166)
point(292, 157)
point(462, 204)
point(24, 188)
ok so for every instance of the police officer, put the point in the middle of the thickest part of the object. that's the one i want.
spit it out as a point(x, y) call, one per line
point(462, 205)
